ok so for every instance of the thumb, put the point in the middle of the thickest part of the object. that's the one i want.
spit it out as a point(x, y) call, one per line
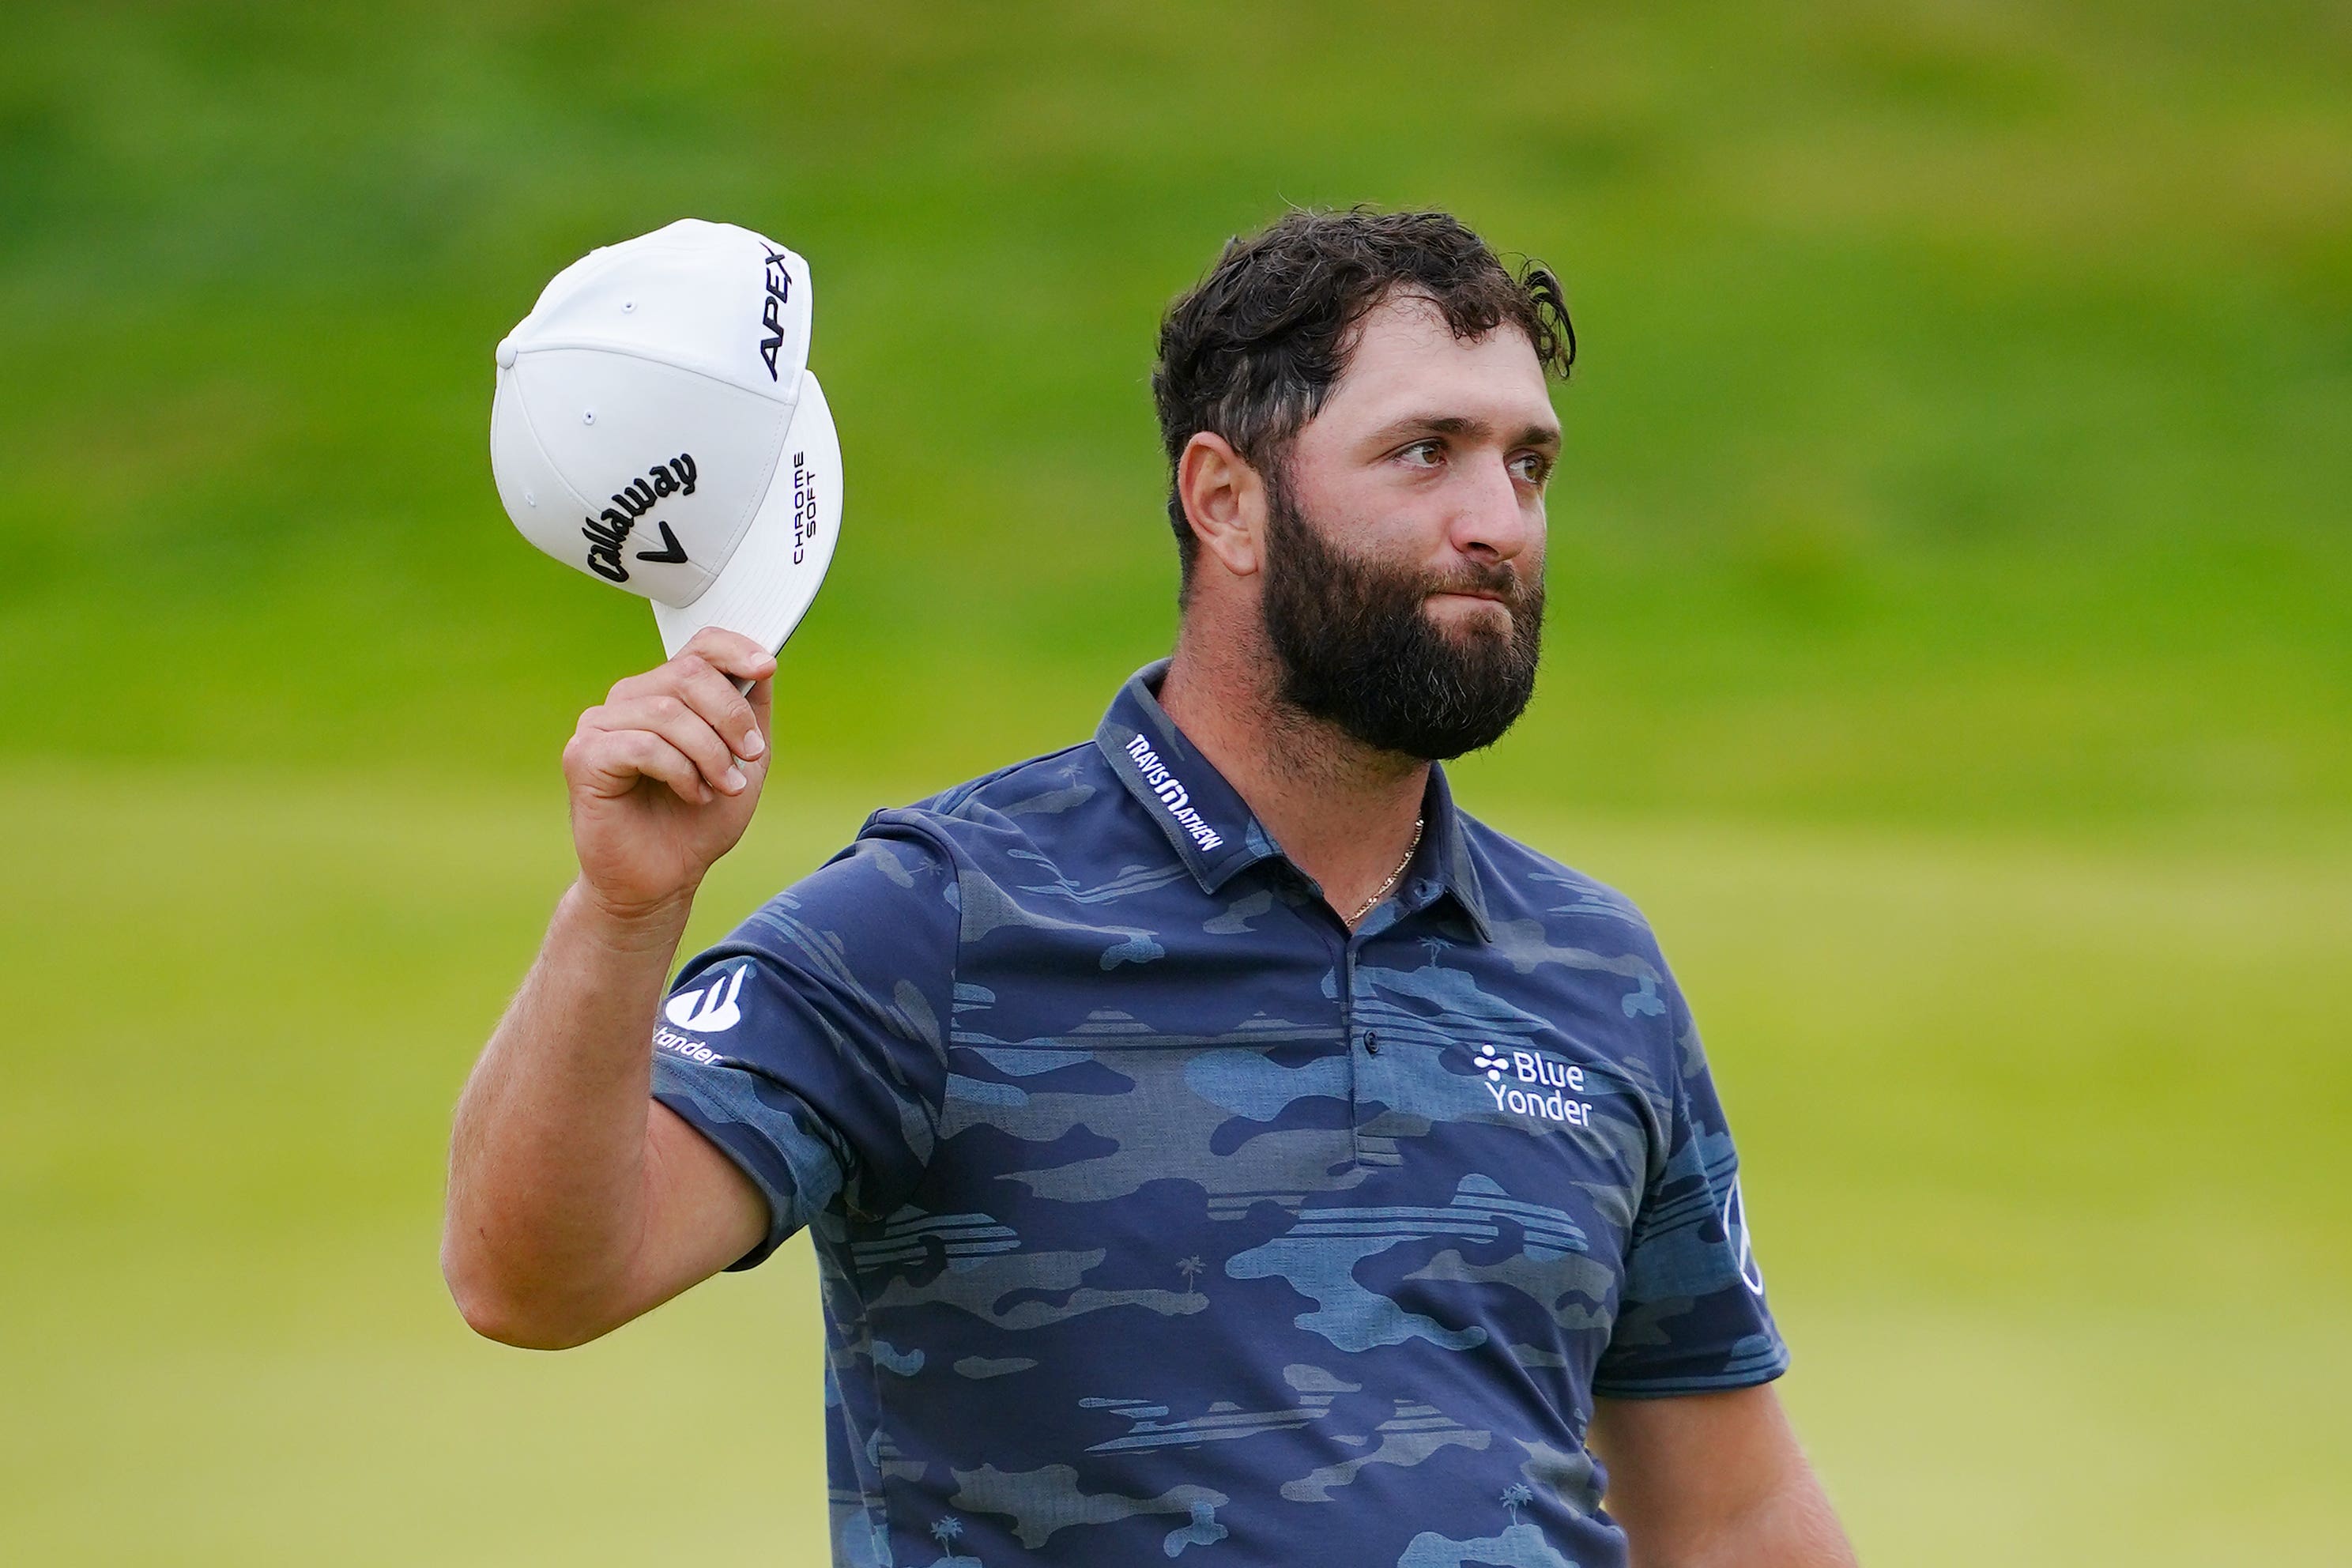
point(761, 696)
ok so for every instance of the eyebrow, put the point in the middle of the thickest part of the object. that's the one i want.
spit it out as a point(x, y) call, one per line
point(1460, 424)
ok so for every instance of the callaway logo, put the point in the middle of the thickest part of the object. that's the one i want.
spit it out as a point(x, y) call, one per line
point(780, 289)
point(609, 530)
point(1542, 1073)
point(708, 1009)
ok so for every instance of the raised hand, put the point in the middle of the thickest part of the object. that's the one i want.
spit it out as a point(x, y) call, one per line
point(664, 774)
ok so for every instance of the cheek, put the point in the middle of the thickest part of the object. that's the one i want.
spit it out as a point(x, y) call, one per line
point(1411, 523)
point(1386, 519)
point(1377, 507)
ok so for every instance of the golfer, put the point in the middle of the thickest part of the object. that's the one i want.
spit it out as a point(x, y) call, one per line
point(1213, 1139)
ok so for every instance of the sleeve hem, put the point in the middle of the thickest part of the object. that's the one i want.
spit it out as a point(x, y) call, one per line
point(1715, 1383)
point(693, 1116)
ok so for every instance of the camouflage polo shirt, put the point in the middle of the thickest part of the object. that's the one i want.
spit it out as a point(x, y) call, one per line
point(1158, 1216)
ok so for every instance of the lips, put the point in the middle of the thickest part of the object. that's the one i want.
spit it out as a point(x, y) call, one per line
point(1499, 583)
point(1488, 595)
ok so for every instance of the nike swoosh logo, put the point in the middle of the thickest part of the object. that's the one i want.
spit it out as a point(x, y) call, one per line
point(672, 555)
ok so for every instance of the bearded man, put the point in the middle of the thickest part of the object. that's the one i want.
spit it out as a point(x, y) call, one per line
point(1212, 1138)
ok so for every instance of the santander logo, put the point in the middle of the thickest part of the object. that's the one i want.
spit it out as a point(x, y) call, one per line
point(708, 1009)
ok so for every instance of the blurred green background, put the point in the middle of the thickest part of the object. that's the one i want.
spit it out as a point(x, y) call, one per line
point(1950, 650)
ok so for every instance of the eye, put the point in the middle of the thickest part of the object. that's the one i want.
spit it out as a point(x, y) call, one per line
point(1423, 454)
point(1531, 467)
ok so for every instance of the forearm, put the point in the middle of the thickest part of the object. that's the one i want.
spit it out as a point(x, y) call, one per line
point(548, 1174)
point(1793, 1527)
point(1715, 1481)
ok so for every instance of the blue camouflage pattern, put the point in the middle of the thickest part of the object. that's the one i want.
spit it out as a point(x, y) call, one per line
point(1158, 1216)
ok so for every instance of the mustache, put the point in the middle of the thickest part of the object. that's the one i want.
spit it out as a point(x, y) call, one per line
point(1499, 578)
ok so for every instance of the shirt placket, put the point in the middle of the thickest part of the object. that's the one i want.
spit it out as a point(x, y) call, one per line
point(1372, 1061)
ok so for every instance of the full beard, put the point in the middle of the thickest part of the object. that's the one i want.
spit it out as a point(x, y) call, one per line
point(1357, 648)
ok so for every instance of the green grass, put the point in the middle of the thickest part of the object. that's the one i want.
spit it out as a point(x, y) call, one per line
point(1960, 434)
point(2044, 1147)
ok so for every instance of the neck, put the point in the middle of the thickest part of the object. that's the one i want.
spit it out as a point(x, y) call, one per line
point(1342, 812)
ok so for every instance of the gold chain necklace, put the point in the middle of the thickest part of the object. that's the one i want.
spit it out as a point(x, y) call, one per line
point(1382, 891)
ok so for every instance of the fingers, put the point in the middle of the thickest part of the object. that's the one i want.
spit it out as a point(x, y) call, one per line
point(676, 721)
point(762, 697)
point(731, 653)
point(749, 670)
point(693, 702)
point(723, 706)
point(611, 761)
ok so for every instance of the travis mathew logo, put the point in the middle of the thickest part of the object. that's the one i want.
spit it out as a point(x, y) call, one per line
point(779, 280)
point(1171, 793)
point(608, 530)
point(1540, 1073)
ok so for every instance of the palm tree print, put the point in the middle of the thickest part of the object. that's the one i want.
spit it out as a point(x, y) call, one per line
point(1516, 1496)
point(1187, 1267)
point(946, 1530)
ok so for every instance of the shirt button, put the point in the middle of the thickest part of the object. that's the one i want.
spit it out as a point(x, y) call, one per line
point(1371, 1042)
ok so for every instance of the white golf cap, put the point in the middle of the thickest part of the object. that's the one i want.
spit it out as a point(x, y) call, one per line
point(657, 428)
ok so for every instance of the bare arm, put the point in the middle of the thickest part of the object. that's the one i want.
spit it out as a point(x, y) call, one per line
point(1715, 1481)
point(576, 1202)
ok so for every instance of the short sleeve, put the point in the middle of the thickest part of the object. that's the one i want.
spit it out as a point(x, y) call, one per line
point(808, 1045)
point(1692, 1316)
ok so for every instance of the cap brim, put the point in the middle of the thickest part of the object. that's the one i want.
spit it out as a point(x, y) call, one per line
point(768, 585)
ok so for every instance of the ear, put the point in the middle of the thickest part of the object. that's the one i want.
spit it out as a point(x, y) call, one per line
point(1224, 501)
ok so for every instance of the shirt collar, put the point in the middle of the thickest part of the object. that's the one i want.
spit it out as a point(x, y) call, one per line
point(1213, 831)
point(1445, 855)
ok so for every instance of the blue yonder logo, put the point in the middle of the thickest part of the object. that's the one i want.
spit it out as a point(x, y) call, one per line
point(1529, 1083)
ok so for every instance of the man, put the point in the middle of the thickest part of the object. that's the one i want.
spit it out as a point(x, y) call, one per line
point(1212, 1138)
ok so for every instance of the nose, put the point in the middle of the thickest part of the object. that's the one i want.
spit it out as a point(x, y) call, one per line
point(1494, 522)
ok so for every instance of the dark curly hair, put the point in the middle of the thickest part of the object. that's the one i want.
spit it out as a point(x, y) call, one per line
point(1251, 351)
